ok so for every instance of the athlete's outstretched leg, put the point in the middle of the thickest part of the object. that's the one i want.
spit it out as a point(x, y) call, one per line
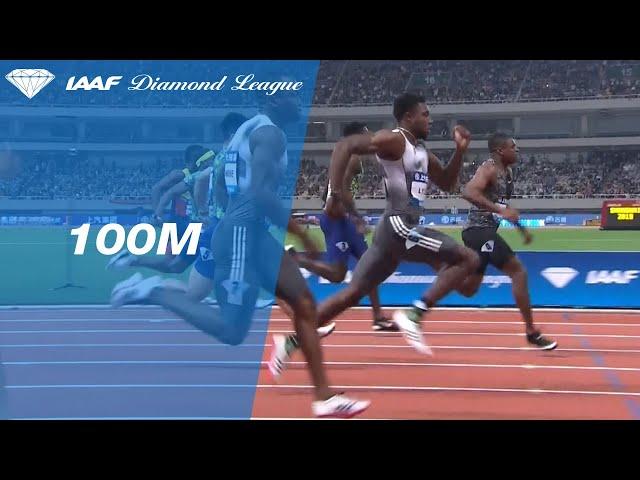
point(286, 308)
point(340, 301)
point(471, 284)
point(229, 322)
point(464, 262)
point(519, 284)
point(199, 286)
point(292, 288)
point(303, 308)
point(380, 322)
point(371, 270)
point(454, 264)
point(334, 272)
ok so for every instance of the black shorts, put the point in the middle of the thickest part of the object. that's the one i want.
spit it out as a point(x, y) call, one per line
point(491, 247)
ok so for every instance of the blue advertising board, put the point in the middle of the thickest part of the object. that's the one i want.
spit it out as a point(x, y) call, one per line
point(562, 279)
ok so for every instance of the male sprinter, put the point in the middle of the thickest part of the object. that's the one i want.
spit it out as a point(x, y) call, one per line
point(210, 207)
point(178, 193)
point(210, 198)
point(408, 167)
point(489, 191)
point(246, 254)
point(344, 238)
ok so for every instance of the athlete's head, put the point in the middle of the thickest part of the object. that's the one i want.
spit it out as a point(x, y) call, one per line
point(230, 124)
point(195, 156)
point(504, 146)
point(411, 112)
point(284, 106)
point(354, 128)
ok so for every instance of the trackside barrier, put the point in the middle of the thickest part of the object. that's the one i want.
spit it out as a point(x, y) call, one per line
point(556, 279)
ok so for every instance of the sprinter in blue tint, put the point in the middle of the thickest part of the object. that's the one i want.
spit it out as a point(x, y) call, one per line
point(175, 188)
point(246, 255)
point(207, 207)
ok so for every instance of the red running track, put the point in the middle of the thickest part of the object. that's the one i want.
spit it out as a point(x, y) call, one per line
point(482, 368)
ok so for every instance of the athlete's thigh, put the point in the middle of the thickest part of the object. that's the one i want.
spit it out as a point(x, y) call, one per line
point(199, 286)
point(335, 239)
point(512, 265)
point(356, 240)
point(205, 264)
point(489, 245)
point(502, 253)
point(278, 272)
point(426, 245)
point(234, 251)
point(373, 268)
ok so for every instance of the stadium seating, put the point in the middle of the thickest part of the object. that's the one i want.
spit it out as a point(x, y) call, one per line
point(378, 82)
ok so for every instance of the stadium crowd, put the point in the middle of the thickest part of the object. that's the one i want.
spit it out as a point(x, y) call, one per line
point(373, 82)
point(446, 81)
point(583, 175)
point(63, 177)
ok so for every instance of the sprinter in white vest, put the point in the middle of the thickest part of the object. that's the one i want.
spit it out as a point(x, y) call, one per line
point(408, 167)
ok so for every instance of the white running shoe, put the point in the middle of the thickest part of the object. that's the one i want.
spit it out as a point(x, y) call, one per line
point(120, 260)
point(326, 330)
point(411, 332)
point(210, 300)
point(280, 355)
point(134, 289)
point(339, 406)
point(129, 282)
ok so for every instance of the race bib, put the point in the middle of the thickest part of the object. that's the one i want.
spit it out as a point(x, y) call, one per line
point(419, 187)
point(231, 172)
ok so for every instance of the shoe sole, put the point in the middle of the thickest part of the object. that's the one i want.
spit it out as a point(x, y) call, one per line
point(549, 347)
point(344, 415)
point(377, 328)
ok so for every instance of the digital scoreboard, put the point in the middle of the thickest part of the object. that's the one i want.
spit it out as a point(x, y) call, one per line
point(620, 215)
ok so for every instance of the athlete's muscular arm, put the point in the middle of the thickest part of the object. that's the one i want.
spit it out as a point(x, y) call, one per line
point(487, 174)
point(353, 168)
point(177, 189)
point(166, 182)
point(385, 143)
point(267, 145)
point(447, 177)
